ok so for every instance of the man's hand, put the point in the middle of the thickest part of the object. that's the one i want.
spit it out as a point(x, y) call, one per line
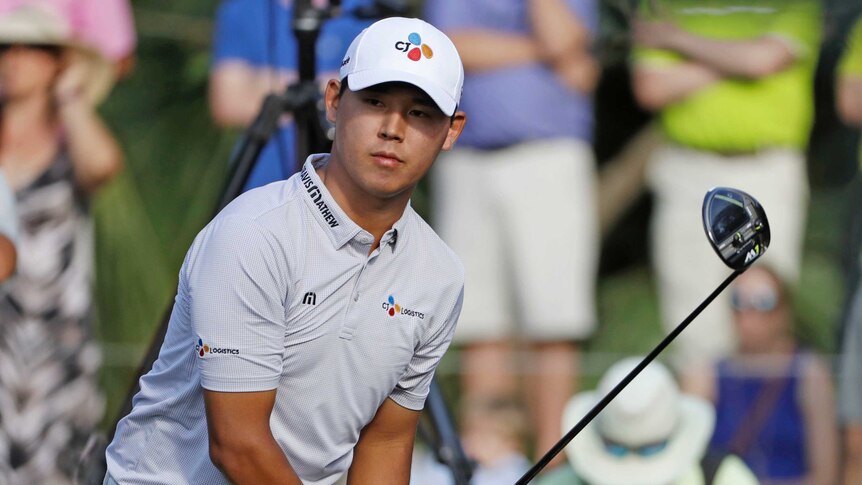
point(578, 73)
point(385, 447)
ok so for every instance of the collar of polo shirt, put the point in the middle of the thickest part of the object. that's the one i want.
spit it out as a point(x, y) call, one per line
point(340, 228)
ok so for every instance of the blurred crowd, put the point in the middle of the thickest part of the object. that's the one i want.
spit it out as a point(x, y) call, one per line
point(521, 200)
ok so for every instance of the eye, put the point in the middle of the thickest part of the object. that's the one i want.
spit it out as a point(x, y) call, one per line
point(420, 113)
point(373, 102)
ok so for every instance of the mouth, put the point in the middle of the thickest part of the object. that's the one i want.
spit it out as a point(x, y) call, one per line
point(388, 159)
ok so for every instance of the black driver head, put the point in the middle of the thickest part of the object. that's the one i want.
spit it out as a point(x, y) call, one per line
point(736, 226)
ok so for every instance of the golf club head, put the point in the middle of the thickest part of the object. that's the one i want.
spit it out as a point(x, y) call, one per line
point(736, 226)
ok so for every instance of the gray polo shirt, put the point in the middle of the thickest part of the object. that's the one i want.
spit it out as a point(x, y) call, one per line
point(279, 292)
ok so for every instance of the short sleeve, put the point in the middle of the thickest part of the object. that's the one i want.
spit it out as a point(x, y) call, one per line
point(334, 39)
point(238, 34)
point(648, 56)
point(449, 15)
point(798, 22)
point(851, 60)
point(412, 388)
point(237, 286)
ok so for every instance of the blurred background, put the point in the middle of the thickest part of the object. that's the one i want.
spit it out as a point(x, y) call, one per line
point(176, 164)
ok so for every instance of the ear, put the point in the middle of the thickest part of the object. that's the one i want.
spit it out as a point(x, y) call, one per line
point(331, 99)
point(456, 126)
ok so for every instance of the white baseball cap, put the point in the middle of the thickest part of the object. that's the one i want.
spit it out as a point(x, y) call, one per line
point(406, 50)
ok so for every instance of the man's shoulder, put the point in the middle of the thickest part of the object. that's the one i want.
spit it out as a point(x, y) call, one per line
point(261, 217)
point(432, 248)
point(271, 200)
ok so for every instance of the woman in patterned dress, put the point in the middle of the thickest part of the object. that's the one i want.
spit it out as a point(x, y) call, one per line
point(54, 151)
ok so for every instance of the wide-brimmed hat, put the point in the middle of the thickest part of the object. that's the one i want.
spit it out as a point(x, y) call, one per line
point(650, 411)
point(40, 25)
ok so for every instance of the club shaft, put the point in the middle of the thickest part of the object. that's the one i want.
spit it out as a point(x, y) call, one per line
point(543, 462)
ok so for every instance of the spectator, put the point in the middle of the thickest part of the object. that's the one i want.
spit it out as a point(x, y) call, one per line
point(107, 25)
point(254, 55)
point(55, 151)
point(773, 398)
point(849, 104)
point(732, 86)
point(650, 434)
point(516, 201)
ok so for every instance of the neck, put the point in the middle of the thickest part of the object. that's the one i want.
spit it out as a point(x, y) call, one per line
point(374, 214)
point(774, 355)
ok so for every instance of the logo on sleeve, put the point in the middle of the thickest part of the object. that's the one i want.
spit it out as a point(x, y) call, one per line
point(393, 309)
point(202, 349)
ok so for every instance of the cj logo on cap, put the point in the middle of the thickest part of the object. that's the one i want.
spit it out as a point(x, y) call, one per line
point(414, 47)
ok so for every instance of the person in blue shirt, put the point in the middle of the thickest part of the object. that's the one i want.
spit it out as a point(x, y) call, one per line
point(255, 54)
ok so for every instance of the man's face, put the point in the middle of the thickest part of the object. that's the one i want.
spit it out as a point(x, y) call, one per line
point(387, 136)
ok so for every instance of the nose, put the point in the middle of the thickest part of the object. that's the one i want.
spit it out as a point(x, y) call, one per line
point(392, 127)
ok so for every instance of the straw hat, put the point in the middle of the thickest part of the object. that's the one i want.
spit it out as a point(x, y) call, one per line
point(649, 411)
point(37, 24)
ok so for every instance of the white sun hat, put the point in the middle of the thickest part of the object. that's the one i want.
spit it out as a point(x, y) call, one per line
point(38, 24)
point(649, 411)
point(406, 50)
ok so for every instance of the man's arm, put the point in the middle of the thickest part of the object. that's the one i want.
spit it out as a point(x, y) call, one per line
point(564, 42)
point(240, 440)
point(747, 59)
point(849, 99)
point(483, 50)
point(818, 409)
point(95, 153)
point(8, 258)
point(385, 447)
point(656, 86)
point(237, 90)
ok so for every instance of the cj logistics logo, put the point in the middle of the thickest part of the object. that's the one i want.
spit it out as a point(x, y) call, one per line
point(202, 349)
point(414, 47)
point(393, 309)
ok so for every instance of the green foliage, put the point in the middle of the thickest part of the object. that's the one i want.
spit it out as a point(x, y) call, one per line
point(176, 163)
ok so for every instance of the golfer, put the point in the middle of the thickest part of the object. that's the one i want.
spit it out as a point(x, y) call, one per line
point(311, 313)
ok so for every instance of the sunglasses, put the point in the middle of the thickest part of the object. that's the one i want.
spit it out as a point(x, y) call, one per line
point(762, 301)
point(47, 48)
point(619, 450)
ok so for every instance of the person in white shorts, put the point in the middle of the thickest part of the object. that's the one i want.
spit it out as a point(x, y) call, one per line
point(516, 201)
point(732, 88)
point(311, 313)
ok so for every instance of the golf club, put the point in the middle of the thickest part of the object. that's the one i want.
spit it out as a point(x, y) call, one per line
point(737, 229)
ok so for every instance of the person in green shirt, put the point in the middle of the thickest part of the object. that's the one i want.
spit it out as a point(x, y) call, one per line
point(731, 84)
point(849, 105)
point(650, 434)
